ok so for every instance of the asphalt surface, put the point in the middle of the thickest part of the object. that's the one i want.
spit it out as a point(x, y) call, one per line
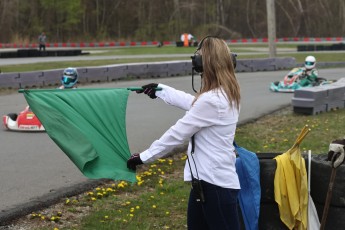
point(35, 173)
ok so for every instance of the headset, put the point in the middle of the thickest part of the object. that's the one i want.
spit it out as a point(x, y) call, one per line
point(197, 60)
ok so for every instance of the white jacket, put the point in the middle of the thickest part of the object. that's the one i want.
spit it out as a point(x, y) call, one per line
point(213, 122)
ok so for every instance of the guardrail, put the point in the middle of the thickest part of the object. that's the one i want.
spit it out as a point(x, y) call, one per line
point(116, 72)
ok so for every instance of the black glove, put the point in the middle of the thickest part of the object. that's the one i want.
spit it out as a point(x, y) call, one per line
point(133, 161)
point(149, 90)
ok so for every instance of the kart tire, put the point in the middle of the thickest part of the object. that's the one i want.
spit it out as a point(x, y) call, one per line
point(320, 79)
point(13, 116)
point(320, 177)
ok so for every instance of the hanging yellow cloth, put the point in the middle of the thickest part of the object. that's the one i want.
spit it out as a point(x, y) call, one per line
point(291, 186)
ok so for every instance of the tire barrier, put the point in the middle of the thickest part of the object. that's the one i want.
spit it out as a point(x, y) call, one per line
point(319, 99)
point(129, 71)
point(333, 47)
point(320, 177)
point(24, 53)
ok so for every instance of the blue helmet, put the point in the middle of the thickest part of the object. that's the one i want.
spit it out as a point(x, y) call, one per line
point(70, 77)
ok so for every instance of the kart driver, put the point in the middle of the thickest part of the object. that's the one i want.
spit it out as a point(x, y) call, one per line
point(310, 72)
point(69, 78)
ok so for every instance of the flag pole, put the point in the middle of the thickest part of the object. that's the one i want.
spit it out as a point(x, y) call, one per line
point(129, 88)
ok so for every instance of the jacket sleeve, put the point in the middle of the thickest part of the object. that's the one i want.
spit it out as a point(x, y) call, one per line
point(175, 97)
point(204, 113)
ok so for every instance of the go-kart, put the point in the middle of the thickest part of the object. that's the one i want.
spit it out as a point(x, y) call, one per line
point(291, 81)
point(24, 121)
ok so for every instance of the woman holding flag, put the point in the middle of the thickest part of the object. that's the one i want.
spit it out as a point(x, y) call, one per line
point(209, 124)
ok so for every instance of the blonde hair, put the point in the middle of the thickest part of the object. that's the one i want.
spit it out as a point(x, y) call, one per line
point(218, 70)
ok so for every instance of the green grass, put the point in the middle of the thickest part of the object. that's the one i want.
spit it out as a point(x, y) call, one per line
point(159, 200)
point(62, 65)
point(277, 132)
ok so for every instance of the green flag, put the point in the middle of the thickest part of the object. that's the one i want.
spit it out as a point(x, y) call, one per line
point(89, 125)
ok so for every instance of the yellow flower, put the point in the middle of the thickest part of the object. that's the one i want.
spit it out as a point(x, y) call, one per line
point(167, 213)
point(154, 206)
point(137, 207)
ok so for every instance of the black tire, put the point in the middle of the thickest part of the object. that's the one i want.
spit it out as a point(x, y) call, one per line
point(320, 176)
point(13, 116)
point(270, 218)
point(335, 219)
point(268, 168)
point(267, 172)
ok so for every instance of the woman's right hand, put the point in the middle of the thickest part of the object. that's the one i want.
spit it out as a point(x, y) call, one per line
point(149, 90)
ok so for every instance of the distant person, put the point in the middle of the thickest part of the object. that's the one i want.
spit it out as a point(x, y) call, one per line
point(310, 72)
point(42, 41)
point(186, 38)
point(69, 78)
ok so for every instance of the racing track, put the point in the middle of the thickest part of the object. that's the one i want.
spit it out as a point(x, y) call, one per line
point(33, 169)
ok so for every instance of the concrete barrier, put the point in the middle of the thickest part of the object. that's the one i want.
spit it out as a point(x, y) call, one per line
point(109, 73)
point(319, 99)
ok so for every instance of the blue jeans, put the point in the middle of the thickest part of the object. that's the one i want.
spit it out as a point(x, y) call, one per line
point(218, 212)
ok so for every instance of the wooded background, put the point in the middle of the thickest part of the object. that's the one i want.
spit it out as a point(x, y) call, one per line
point(165, 20)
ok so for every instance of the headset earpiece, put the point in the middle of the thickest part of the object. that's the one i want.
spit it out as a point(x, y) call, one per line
point(197, 58)
point(197, 63)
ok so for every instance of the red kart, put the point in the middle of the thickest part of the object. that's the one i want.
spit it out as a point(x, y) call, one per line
point(24, 121)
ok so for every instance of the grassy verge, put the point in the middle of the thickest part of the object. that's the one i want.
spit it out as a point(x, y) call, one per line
point(159, 199)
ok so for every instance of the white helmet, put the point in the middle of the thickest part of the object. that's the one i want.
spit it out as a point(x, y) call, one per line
point(310, 62)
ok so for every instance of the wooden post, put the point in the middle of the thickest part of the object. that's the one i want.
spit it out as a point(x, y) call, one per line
point(271, 28)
